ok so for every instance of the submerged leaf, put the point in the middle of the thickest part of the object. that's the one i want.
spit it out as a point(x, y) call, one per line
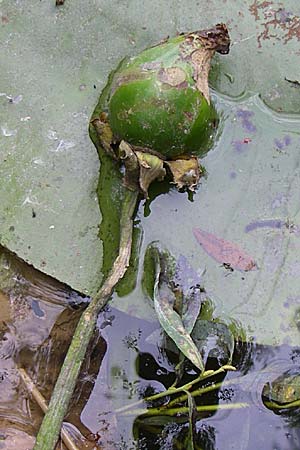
point(161, 265)
point(186, 276)
point(192, 421)
point(191, 310)
point(172, 323)
point(224, 252)
point(284, 389)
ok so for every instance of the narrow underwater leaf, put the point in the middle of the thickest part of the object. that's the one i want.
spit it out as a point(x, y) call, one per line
point(186, 276)
point(173, 326)
point(192, 421)
point(189, 282)
point(225, 252)
point(191, 311)
point(170, 320)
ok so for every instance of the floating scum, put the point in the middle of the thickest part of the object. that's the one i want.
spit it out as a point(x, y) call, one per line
point(154, 116)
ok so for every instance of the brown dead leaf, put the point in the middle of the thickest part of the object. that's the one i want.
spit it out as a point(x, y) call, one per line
point(225, 252)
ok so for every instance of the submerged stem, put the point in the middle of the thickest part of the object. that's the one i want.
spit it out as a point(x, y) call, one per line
point(174, 390)
point(182, 410)
point(65, 384)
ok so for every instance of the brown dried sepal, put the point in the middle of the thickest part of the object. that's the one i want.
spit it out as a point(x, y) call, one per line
point(140, 168)
point(132, 167)
point(201, 63)
point(151, 168)
point(215, 38)
point(104, 134)
point(186, 172)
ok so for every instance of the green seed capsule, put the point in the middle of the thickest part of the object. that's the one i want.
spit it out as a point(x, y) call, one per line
point(160, 98)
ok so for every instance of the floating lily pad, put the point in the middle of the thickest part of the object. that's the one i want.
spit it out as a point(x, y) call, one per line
point(55, 61)
point(250, 197)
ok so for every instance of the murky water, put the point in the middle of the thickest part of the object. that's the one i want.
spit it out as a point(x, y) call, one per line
point(123, 364)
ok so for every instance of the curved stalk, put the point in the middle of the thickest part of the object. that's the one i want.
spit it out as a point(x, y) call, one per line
point(65, 384)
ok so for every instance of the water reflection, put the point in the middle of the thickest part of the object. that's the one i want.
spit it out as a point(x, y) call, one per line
point(237, 429)
point(38, 318)
point(124, 365)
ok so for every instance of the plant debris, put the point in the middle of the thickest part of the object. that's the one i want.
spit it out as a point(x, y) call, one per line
point(224, 252)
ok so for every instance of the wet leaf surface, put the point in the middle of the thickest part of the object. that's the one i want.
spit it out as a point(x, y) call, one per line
point(49, 210)
point(187, 282)
point(48, 166)
point(249, 205)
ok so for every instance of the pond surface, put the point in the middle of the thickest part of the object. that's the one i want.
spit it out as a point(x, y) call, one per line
point(124, 364)
point(250, 199)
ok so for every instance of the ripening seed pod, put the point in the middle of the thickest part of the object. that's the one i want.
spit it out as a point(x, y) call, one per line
point(160, 99)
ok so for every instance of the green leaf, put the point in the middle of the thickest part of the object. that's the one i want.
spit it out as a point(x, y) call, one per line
point(173, 326)
point(164, 302)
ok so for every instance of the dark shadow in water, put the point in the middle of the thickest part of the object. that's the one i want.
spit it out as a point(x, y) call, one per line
point(37, 327)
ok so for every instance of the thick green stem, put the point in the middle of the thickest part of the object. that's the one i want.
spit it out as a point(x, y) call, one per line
point(65, 384)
